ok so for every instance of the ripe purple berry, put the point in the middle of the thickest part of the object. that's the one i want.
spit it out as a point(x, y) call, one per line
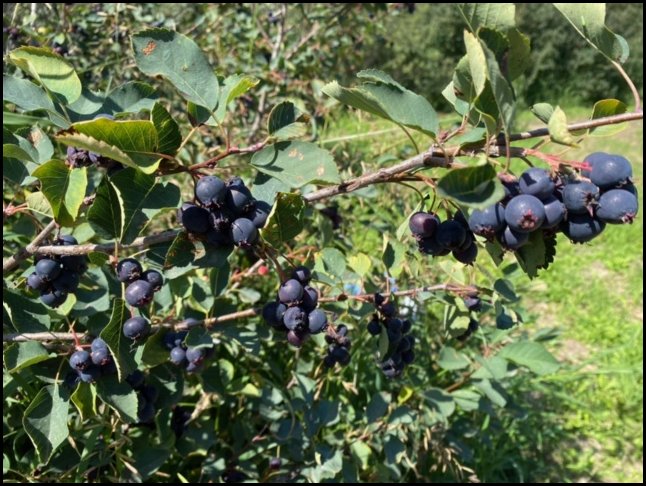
point(488, 222)
point(244, 232)
point(210, 191)
point(291, 292)
point(617, 206)
point(139, 293)
point(136, 328)
point(536, 182)
point(607, 170)
point(580, 228)
point(524, 213)
point(450, 234)
point(423, 225)
point(48, 269)
point(580, 197)
point(317, 321)
point(128, 270)
point(154, 278)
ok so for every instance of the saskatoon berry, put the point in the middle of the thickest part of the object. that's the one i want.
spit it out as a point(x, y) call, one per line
point(178, 355)
point(235, 182)
point(342, 330)
point(239, 199)
point(221, 218)
point(317, 321)
point(608, 170)
point(473, 303)
point(80, 360)
point(341, 355)
point(136, 379)
point(580, 228)
point(388, 309)
point(150, 393)
point(139, 293)
point(408, 357)
point(136, 328)
point(430, 246)
point(467, 256)
point(244, 232)
point(90, 374)
point(512, 189)
point(128, 270)
point(97, 344)
point(580, 196)
point(488, 222)
point(394, 324)
point(374, 327)
point(450, 234)
point(310, 298)
point(291, 292)
point(406, 326)
point(48, 269)
point(302, 274)
point(34, 282)
point(53, 298)
point(617, 206)
point(67, 281)
point(67, 240)
point(195, 219)
point(146, 413)
point(403, 346)
point(554, 212)
point(259, 213)
point(329, 361)
point(273, 313)
point(217, 237)
point(536, 182)
point(525, 213)
point(100, 356)
point(423, 224)
point(193, 367)
point(513, 240)
point(294, 318)
point(154, 278)
point(195, 355)
point(296, 338)
point(71, 380)
point(210, 191)
point(75, 263)
point(274, 464)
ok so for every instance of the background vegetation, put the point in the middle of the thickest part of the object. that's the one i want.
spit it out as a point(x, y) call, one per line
point(582, 423)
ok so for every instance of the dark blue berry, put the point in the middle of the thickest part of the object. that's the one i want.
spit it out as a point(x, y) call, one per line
point(423, 225)
point(154, 278)
point(273, 313)
point(244, 232)
point(195, 219)
point(34, 282)
point(136, 379)
point(296, 338)
point(295, 318)
point(178, 355)
point(80, 360)
point(580, 228)
point(536, 182)
point(524, 213)
point(53, 298)
point(129, 270)
point(302, 274)
point(139, 293)
point(512, 240)
point(90, 374)
point(451, 234)
point(67, 281)
point(467, 256)
point(617, 206)
point(580, 197)
point(554, 212)
point(48, 269)
point(290, 292)
point(210, 191)
point(259, 213)
point(607, 170)
point(316, 321)
point(489, 221)
point(310, 298)
point(136, 328)
point(374, 327)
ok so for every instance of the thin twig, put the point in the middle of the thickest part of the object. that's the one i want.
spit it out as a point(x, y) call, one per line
point(13, 261)
point(631, 85)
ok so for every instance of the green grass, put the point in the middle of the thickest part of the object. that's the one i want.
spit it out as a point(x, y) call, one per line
point(590, 414)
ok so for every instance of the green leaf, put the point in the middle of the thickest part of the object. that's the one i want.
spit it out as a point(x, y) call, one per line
point(297, 163)
point(45, 421)
point(22, 355)
point(492, 391)
point(84, 398)
point(531, 354)
point(557, 127)
point(133, 143)
point(119, 396)
point(519, 58)
point(25, 94)
point(64, 188)
point(477, 63)
point(385, 98)
point(168, 135)
point(605, 108)
point(130, 97)
point(155, 352)
point(219, 279)
point(120, 346)
point(476, 187)
point(233, 87)
point(467, 400)
point(588, 19)
point(141, 200)
point(451, 360)
point(543, 111)
point(50, 69)
point(505, 288)
point(106, 215)
point(25, 314)
point(494, 367)
point(360, 263)
point(394, 254)
point(533, 255)
point(285, 220)
point(440, 402)
point(334, 261)
point(361, 452)
point(499, 16)
point(286, 121)
point(378, 406)
point(161, 52)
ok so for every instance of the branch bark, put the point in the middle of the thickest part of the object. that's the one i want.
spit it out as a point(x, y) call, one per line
point(212, 321)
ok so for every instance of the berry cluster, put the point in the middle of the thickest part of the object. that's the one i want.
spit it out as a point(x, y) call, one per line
point(146, 397)
point(437, 238)
point(57, 275)
point(295, 309)
point(579, 207)
point(400, 343)
point(338, 350)
point(90, 366)
point(192, 358)
point(141, 286)
point(224, 213)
